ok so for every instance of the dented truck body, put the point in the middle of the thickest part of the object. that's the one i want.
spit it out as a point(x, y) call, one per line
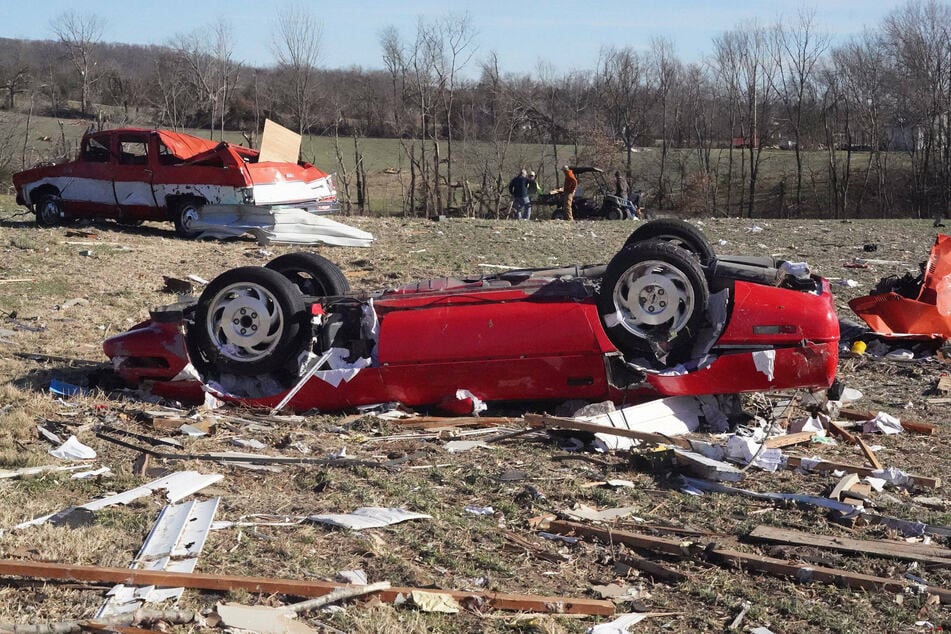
point(133, 175)
point(526, 335)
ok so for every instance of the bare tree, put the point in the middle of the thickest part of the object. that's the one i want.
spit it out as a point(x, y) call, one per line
point(919, 37)
point(744, 59)
point(797, 51)
point(79, 33)
point(207, 56)
point(296, 42)
point(666, 71)
point(625, 96)
point(453, 44)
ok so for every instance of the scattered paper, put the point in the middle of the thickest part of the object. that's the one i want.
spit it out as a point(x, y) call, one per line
point(587, 513)
point(83, 475)
point(744, 450)
point(248, 443)
point(459, 446)
point(72, 449)
point(434, 602)
point(261, 619)
point(368, 517)
point(812, 423)
point(619, 625)
point(765, 362)
point(882, 423)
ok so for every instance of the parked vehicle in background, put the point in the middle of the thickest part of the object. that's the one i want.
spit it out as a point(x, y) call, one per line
point(135, 174)
point(593, 198)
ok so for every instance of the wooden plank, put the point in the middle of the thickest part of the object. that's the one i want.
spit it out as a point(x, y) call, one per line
point(708, 468)
point(268, 585)
point(845, 483)
point(841, 432)
point(926, 553)
point(908, 425)
point(869, 454)
point(779, 567)
point(795, 461)
point(777, 442)
point(540, 420)
point(436, 422)
point(652, 568)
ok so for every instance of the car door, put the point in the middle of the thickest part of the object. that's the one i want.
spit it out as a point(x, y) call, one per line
point(132, 177)
point(85, 185)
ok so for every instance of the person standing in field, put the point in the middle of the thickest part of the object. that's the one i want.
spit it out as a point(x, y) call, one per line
point(620, 186)
point(571, 184)
point(518, 188)
point(534, 189)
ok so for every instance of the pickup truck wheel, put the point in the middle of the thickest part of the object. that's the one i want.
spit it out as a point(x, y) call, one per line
point(314, 275)
point(653, 300)
point(677, 232)
point(247, 322)
point(186, 213)
point(49, 211)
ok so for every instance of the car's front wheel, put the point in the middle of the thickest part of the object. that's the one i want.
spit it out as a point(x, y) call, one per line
point(185, 215)
point(652, 301)
point(49, 211)
point(247, 322)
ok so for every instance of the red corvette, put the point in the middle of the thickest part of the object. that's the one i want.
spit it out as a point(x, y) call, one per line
point(665, 317)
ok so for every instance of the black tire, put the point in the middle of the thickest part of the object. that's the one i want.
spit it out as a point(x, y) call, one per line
point(184, 214)
point(49, 211)
point(314, 275)
point(248, 321)
point(678, 232)
point(614, 213)
point(653, 301)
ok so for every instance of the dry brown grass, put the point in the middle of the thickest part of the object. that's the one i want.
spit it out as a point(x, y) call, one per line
point(455, 549)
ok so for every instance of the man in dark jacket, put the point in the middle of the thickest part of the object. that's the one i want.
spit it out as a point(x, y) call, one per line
point(518, 188)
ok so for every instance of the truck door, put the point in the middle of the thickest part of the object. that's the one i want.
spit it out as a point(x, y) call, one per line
point(132, 180)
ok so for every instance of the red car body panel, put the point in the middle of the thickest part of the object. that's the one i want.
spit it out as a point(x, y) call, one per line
point(139, 174)
point(533, 340)
point(894, 314)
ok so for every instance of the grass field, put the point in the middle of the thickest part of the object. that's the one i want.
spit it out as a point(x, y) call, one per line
point(75, 290)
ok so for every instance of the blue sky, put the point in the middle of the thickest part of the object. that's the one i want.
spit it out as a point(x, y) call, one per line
point(567, 35)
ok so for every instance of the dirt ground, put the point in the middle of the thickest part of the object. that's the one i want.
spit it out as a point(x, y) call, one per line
point(63, 290)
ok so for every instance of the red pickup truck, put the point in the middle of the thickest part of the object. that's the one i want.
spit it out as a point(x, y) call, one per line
point(134, 174)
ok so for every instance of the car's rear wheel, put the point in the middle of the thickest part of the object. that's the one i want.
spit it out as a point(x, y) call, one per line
point(615, 213)
point(652, 301)
point(185, 214)
point(248, 321)
point(314, 275)
point(49, 211)
point(677, 232)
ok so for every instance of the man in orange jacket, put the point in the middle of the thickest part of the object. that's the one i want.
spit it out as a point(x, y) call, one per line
point(571, 183)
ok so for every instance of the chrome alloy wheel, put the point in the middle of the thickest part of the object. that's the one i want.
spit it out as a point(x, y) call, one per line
point(653, 293)
point(245, 321)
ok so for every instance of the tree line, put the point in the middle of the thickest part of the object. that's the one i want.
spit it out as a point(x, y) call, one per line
point(863, 125)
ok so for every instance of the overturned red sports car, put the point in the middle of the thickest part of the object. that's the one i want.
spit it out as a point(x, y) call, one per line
point(666, 316)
